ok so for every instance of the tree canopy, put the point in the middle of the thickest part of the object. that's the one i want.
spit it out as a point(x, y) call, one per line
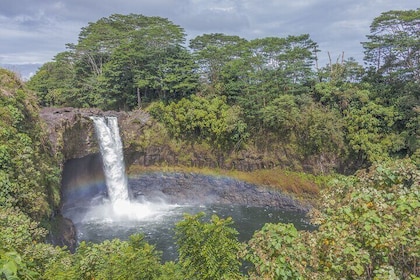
point(341, 116)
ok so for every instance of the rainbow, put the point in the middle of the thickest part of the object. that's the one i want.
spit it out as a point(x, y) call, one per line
point(82, 179)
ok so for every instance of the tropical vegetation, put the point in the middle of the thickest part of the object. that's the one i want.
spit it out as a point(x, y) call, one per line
point(229, 95)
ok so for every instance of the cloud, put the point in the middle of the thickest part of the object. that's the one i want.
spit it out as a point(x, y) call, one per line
point(34, 31)
point(216, 21)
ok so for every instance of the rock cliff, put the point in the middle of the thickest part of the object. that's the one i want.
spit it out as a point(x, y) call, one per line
point(71, 131)
point(146, 143)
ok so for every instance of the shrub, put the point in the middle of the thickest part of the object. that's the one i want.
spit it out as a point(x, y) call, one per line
point(208, 250)
point(369, 228)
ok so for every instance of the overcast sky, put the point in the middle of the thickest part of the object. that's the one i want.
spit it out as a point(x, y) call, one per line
point(34, 31)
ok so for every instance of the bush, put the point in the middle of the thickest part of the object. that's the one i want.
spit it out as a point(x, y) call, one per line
point(369, 228)
point(197, 119)
point(208, 250)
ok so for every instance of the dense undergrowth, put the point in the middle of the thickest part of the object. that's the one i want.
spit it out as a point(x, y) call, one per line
point(28, 175)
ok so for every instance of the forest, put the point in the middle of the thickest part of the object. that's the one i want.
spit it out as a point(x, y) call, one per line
point(359, 124)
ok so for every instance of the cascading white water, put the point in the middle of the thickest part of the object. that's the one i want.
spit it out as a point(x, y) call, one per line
point(122, 208)
point(111, 148)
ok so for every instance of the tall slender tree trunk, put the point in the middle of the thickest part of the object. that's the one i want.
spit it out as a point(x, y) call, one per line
point(138, 98)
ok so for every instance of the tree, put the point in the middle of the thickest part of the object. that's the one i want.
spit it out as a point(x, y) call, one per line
point(111, 259)
point(370, 133)
point(212, 52)
point(281, 116)
point(117, 62)
point(54, 82)
point(346, 71)
point(320, 138)
point(276, 252)
point(393, 53)
point(28, 179)
point(285, 63)
point(393, 49)
point(278, 66)
point(150, 64)
point(12, 267)
point(369, 226)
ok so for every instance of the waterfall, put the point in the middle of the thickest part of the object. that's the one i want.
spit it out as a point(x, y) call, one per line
point(119, 207)
point(111, 149)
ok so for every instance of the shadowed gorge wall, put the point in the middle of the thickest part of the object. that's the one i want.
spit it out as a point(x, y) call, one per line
point(82, 179)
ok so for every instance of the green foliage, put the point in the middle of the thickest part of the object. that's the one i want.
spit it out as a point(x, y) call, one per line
point(115, 259)
point(26, 177)
point(370, 128)
point(212, 52)
point(28, 180)
point(370, 132)
point(371, 223)
point(393, 46)
point(18, 230)
point(13, 268)
point(319, 132)
point(282, 65)
point(208, 250)
point(118, 63)
point(368, 229)
point(44, 259)
point(281, 115)
point(341, 97)
point(392, 52)
point(314, 132)
point(170, 270)
point(272, 251)
point(54, 83)
point(198, 119)
point(345, 72)
point(267, 69)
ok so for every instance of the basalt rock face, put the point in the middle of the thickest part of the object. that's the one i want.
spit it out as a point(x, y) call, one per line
point(191, 188)
point(70, 131)
point(72, 134)
point(63, 233)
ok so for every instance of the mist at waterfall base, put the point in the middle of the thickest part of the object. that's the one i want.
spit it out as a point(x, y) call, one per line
point(155, 219)
point(118, 209)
